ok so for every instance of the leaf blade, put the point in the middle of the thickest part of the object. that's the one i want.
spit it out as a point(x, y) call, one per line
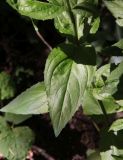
point(32, 101)
point(66, 80)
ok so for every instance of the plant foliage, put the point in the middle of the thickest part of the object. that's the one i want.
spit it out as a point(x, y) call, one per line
point(72, 76)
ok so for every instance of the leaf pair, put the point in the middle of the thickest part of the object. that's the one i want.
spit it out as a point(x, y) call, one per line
point(67, 75)
point(71, 17)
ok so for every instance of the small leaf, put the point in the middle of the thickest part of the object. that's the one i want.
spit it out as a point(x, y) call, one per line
point(31, 101)
point(36, 9)
point(95, 25)
point(15, 142)
point(67, 74)
point(93, 155)
point(90, 104)
point(117, 125)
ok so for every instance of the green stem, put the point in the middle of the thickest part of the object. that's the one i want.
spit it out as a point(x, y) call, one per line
point(104, 112)
point(73, 20)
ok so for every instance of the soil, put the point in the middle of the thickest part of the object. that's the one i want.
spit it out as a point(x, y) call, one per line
point(20, 47)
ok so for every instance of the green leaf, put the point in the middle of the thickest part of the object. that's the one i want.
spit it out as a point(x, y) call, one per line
point(111, 106)
point(114, 79)
point(86, 8)
point(36, 9)
point(57, 2)
point(31, 101)
point(7, 88)
point(15, 142)
point(103, 71)
point(116, 8)
point(90, 104)
point(76, 19)
point(119, 44)
point(63, 24)
point(68, 73)
point(120, 102)
point(107, 88)
point(16, 118)
point(95, 25)
point(117, 125)
point(93, 155)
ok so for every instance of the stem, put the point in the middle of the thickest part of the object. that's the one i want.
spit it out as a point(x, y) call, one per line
point(41, 37)
point(104, 112)
point(73, 20)
point(96, 126)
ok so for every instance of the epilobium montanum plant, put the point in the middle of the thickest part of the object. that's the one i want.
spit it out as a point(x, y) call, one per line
point(73, 75)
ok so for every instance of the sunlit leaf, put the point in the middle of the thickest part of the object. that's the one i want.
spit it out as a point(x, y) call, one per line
point(36, 9)
point(67, 74)
point(31, 101)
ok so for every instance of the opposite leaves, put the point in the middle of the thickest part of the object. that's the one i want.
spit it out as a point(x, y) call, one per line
point(67, 75)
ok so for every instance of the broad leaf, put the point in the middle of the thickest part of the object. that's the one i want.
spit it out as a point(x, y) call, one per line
point(32, 101)
point(36, 9)
point(117, 125)
point(67, 75)
point(15, 142)
point(77, 19)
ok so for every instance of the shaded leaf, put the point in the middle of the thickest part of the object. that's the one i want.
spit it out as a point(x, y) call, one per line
point(16, 118)
point(15, 142)
point(7, 88)
point(93, 155)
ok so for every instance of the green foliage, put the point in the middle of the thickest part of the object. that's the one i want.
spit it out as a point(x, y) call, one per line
point(66, 77)
point(32, 101)
point(116, 8)
point(73, 77)
point(36, 9)
point(15, 142)
point(7, 89)
point(117, 125)
point(16, 118)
